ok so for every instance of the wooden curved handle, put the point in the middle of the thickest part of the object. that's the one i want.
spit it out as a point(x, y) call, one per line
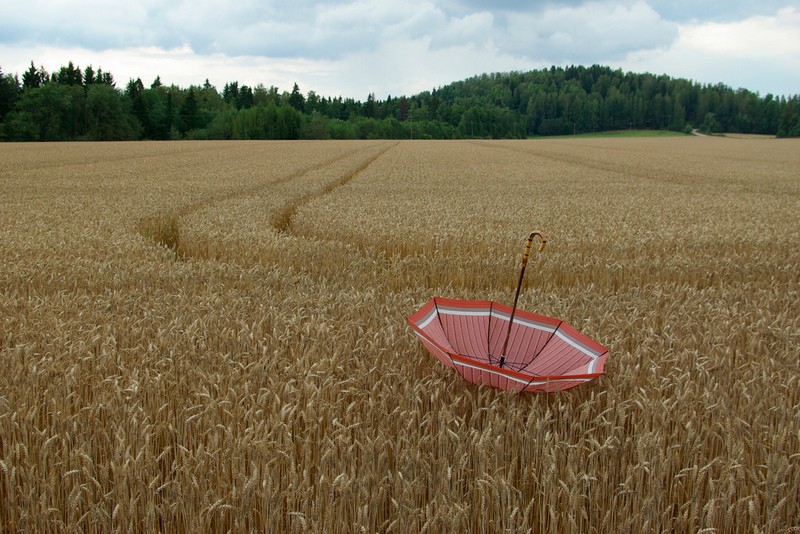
point(528, 244)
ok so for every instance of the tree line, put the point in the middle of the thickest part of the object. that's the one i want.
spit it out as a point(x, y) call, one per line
point(84, 104)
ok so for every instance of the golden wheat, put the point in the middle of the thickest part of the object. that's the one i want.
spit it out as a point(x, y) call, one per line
point(211, 336)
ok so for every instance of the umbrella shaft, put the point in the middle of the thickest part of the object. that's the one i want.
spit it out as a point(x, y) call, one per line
point(513, 311)
point(525, 255)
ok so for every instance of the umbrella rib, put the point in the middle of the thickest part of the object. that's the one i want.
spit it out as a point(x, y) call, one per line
point(489, 336)
point(441, 325)
point(456, 367)
point(535, 376)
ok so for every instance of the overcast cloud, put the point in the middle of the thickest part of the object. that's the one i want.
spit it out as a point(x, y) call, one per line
point(352, 48)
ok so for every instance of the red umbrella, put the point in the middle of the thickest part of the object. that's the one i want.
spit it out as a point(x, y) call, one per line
point(491, 343)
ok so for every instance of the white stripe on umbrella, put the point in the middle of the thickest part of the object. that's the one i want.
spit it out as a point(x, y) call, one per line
point(427, 319)
point(484, 312)
point(476, 312)
point(520, 380)
point(578, 345)
point(524, 322)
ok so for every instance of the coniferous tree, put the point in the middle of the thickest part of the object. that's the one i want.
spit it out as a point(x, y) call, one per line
point(789, 125)
point(245, 99)
point(9, 89)
point(189, 112)
point(134, 88)
point(88, 77)
point(105, 78)
point(403, 109)
point(33, 78)
point(69, 75)
point(371, 108)
point(230, 93)
point(296, 99)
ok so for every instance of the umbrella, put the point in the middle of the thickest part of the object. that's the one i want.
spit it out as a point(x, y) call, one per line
point(492, 343)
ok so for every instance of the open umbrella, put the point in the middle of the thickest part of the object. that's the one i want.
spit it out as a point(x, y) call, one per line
point(492, 343)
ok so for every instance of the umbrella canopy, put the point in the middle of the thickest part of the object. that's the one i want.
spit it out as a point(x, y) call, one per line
point(492, 343)
point(543, 354)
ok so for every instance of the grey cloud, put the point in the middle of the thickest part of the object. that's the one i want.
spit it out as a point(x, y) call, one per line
point(674, 10)
point(472, 28)
point(326, 31)
point(583, 35)
point(520, 6)
point(555, 31)
point(718, 11)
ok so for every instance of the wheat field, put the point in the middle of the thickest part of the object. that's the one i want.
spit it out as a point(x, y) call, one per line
point(211, 336)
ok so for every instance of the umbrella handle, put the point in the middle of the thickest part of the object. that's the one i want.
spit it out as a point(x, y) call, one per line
point(525, 255)
point(528, 249)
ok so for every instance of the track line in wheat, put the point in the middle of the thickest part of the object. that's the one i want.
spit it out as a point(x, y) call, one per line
point(165, 228)
point(283, 219)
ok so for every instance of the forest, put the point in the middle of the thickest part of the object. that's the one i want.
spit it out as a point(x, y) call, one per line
point(74, 104)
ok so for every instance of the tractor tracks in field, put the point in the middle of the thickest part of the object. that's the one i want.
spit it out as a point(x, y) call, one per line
point(572, 159)
point(282, 220)
point(164, 228)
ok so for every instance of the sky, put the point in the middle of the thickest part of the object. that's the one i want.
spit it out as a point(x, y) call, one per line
point(352, 48)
